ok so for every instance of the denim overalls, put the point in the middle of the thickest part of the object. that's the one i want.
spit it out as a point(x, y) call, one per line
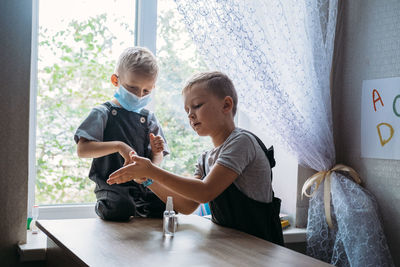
point(120, 201)
point(234, 209)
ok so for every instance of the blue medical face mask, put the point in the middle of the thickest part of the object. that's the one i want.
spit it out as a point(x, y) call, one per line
point(131, 101)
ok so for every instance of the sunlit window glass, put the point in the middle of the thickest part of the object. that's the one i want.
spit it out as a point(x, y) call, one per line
point(79, 42)
point(178, 60)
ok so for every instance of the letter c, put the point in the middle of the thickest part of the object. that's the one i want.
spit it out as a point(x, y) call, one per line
point(394, 106)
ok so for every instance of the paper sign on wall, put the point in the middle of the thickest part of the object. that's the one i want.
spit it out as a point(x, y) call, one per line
point(380, 118)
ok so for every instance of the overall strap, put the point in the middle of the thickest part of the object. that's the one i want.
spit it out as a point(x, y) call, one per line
point(144, 112)
point(269, 152)
point(107, 105)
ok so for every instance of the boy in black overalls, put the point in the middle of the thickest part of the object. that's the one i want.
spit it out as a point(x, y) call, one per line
point(119, 127)
point(234, 177)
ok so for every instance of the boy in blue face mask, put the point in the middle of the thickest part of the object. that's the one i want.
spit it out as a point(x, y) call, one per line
point(119, 127)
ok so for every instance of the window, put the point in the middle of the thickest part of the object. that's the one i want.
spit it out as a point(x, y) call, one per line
point(78, 43)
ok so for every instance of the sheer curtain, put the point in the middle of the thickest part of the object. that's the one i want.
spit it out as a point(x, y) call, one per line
point(279, 56)
point(278, 53)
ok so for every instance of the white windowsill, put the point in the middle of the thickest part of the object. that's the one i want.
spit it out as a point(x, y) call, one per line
point(35, 247)
point(72, 211)
point(294, 235)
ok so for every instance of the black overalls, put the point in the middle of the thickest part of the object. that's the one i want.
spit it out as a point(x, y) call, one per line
point(234, 209)
point(118, 202)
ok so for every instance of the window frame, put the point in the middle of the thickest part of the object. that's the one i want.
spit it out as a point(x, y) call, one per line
point(145, 35)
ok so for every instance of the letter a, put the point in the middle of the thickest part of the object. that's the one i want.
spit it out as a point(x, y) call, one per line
point(376, 99)
point(384, 142)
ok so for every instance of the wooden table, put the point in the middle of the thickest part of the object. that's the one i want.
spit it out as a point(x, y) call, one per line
point(140, 242)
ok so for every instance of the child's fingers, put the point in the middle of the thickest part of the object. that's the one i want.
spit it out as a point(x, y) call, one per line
point(136, 158)
point(157, 146)
point(115, 176)
point(158, 138)
point(159, 142)
point(160, 147)
point(128, 160)
point(132, 153)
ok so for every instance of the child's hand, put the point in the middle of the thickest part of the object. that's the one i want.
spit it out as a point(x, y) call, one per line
point(131, 154)
point(141, 167)
point(156, 143)
point(126, 152)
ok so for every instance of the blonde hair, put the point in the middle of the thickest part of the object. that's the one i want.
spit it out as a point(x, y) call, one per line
point(137, 59)
point(216, 83)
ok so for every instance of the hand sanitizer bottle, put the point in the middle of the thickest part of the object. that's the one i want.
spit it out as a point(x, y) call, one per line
point(169, 224)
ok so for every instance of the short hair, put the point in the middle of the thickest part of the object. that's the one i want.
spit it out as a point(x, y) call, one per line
point(215, 82)
point(137, 59)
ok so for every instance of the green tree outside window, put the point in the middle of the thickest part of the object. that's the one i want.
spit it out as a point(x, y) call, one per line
point(78, 79)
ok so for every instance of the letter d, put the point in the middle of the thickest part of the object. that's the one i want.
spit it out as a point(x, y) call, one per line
point(384, 141)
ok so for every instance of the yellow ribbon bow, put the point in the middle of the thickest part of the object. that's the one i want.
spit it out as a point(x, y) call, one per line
point(317, 180)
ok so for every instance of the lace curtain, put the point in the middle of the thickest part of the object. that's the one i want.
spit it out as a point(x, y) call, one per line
point(279, 56)
point(264, 46)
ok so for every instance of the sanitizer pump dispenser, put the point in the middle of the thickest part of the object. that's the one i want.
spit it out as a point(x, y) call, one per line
point(169, 221)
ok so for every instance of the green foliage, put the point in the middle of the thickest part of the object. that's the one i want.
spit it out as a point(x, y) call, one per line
point(67, 90)
point(78, 79)
point(177, 63)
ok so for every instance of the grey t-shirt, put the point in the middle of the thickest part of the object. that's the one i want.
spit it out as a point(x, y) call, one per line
point(241, 153)
point(92, 128)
